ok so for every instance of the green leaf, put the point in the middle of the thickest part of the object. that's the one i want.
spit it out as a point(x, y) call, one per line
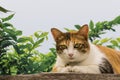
point(8, 25)
point(37, 43)
point(44, 34)
point(36, 34)
point(95, 41)
point(118, 39)
point(17, 49)
point(4, 10)
point(77, 27)
point(104, 40)
point(53, 50)
point(22, 46)
point(18, 33)
point(114, 42)
point(10, 32)
point(6, 43)
point(115, 21)
point(111, 46)
point(31, 39)
point(7, 18)
point(28, 46)
point(23, 39)
point(113, 29)
point(91, 24)
point(109, 27)
point(68, 30)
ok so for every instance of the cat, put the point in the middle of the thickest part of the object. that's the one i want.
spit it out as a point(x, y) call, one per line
point(75, 53)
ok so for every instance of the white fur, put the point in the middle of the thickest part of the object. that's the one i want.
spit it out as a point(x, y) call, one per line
point(87, 62)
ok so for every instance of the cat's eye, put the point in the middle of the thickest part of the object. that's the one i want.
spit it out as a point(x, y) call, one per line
point(78, 45)
point(62, 47)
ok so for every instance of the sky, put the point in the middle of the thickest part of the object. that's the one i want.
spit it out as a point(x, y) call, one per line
point(35, 15)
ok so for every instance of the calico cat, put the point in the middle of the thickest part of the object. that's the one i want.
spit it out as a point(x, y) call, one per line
point(76, 54)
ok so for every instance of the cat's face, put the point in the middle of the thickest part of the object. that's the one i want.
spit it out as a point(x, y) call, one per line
point(72, 46)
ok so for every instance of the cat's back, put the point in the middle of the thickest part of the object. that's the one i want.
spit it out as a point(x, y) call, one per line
point(113, 57)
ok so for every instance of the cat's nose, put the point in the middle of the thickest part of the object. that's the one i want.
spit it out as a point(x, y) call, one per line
point(70, 54)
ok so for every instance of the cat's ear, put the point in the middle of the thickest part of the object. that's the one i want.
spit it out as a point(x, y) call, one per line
point(56, 33)
point(83, 31)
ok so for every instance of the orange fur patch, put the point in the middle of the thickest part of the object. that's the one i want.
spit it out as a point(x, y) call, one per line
point(113, 57)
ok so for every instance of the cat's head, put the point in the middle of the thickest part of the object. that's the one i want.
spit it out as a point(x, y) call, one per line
point(72, 46)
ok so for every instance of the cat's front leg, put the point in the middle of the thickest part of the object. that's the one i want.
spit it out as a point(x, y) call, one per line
point(65, 69)
point(86, 69)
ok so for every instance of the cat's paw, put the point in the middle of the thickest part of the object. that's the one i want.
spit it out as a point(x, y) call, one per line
point(80, 69)
point(66, 69)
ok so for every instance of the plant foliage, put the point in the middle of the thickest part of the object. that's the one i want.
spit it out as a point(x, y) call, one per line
point(18, 54)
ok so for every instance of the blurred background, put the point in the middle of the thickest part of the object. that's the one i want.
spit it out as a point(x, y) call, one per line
point(31, 16)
